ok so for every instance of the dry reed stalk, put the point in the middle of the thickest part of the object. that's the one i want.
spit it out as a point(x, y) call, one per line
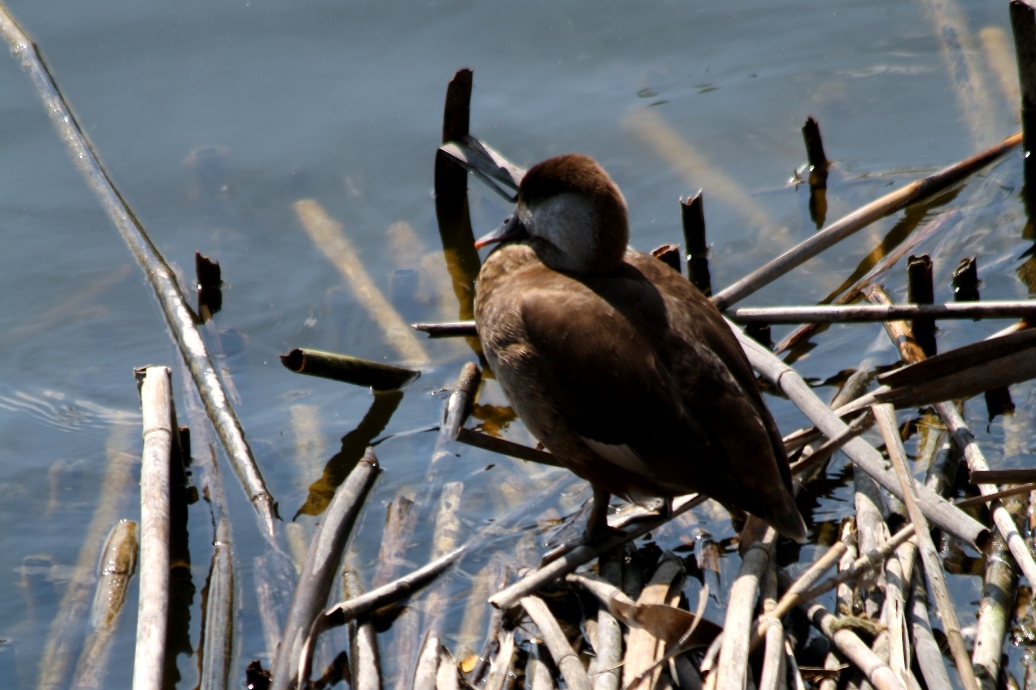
point(537, 674)
point(861, 218)
point(504, 447)
point(364, 667)
point(854, 649)
point(156, 398)
point(448, 675)
point(773, 669)
point(936, 508)
point(361, 372)
point(997, 605)
point(875, 313)
point(793, 596)
point(118, 563)
point(318, 572)
point(328, 235)
point(609, 633)
point(737, 627)
point(643, 650)
point(56, 662)
point(217, 652)
point(872, 534)
point(500, 667)
point(843, 600)
point(560, 650)
point(886, 419)
point(926, 649)
point(894, 620)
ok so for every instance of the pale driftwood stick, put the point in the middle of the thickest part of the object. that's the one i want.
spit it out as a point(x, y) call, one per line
point(737, 626)
point(118, 563)
point(887, 261)
point(364, 666)
point(318, 572)
point(643, 649)
point(500, 668)
point(886, 419)
point(509, 596)
point(609, 632)
point(156, 398)
point(997, 605)
point(177, 314)
point(560, 650)
point(876, 671)
point(861, 313)
point(926, 649)
point(936, 508)
point(861, 218)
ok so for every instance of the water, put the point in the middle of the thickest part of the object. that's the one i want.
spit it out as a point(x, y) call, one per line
point(214, 120)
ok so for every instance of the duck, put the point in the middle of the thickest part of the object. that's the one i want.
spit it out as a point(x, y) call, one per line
point(616, 363)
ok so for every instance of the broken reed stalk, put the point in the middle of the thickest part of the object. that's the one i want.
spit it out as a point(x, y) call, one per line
point(361, 372)
point(997, 605)
point(318, 572)
point(886, 262)
point(936, 508)
point(217, 643)
point(640, 670)
point(346, 611)
point(900, 334)
point(609, 633)
point(861, 218)
point(426, 671)
point(170, 297)
point(156, 399)
point(500, 668)
point(875, 313)
point(926, 649)
point(502, 446)
point(886, 419)
point(560, 650)
point(737, 626)
point(852, 647)
point(118, 564)
point(509, 596)
point(364, 666)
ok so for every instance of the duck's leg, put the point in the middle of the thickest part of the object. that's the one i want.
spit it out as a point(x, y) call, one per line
point(597, 524)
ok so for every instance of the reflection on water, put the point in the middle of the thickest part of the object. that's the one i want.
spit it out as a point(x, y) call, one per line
point(245, 130)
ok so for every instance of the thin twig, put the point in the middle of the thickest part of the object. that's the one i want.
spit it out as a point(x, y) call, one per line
point(874, 313)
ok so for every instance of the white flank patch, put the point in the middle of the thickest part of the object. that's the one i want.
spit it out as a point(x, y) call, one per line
point(621, 455)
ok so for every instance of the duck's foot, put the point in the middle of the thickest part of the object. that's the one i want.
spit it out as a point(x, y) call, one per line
point(597, 529)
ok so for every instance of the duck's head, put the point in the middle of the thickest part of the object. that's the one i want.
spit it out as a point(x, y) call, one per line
point(571, 214)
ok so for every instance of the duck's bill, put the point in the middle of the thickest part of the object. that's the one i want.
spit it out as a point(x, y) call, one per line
point(511, 229)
